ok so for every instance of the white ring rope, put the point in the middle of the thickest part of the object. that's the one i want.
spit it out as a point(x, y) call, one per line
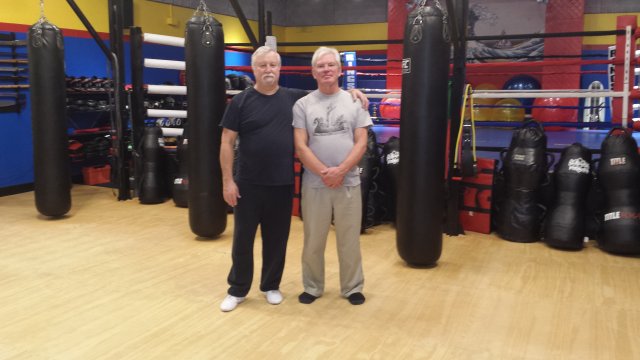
point(167, 89)
point(498, 94)
point(172, 131)
point(384, 96)
point(163, 39)
point(167, 113)
point(165, 64)
point(177, 90)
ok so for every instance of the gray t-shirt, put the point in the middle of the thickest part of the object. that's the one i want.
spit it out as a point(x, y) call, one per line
point(330, 121)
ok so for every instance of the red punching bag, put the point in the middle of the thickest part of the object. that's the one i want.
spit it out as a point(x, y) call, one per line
point(423, 133)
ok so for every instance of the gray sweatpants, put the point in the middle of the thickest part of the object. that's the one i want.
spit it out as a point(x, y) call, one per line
point(318, 205)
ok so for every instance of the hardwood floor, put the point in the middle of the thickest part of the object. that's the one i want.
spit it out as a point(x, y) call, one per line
point(120, 280)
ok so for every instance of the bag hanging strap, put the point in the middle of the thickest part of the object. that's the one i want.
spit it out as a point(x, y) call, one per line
point(465, 161)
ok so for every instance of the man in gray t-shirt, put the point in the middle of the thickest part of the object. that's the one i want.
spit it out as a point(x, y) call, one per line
point(330, 136)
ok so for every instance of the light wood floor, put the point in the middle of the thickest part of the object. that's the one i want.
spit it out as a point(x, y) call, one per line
point(120, 280)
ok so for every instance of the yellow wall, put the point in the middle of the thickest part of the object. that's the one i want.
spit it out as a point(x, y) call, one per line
point(57, 11)
point(601, 22)
point(154, 17)
point(372, 31)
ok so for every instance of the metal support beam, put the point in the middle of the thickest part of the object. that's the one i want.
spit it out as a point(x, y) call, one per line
point(261, 23)
point(116, 116)
point(245, 24)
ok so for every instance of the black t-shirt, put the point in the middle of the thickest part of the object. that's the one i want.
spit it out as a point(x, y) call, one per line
point(263, 123)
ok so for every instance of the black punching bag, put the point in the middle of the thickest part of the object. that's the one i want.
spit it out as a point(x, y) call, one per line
point(565, 223)
point(423, 134)
point(525, 166)
point(151, 182)
point(52, 174)
point(180, 187)
point(389, 178)
point(619, 174)
point(204, 55)
point(368, 166)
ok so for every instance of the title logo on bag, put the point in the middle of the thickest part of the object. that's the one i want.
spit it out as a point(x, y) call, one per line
point(618, 161)
point(579, 165)
point(626, 215)
point(406, 66)
point(393, 157)
point(612, 216)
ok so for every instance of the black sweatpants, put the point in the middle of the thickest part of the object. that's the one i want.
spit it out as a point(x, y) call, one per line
point(269, 207)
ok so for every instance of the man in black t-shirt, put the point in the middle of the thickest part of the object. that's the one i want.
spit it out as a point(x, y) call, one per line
point(261, 192)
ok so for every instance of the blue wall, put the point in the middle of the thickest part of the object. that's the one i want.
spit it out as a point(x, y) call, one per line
point(83, 57)
point(16, 155)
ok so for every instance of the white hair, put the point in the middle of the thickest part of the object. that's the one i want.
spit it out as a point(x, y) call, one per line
point(262, 51)
point(322, 51)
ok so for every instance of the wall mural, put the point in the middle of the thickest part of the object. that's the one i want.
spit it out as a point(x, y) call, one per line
point(505, 17)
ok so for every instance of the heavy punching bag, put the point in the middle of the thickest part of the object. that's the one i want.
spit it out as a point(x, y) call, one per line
point(423, 134)
point(204, 55)
point(389, 177)
point(565, 223)
point(525, 166)
point(369, 166)
point(52, 173)
point(151, 177)
point(619, 174)
point(180, 187)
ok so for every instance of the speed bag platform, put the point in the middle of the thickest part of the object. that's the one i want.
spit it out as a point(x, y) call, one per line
point(475, 202)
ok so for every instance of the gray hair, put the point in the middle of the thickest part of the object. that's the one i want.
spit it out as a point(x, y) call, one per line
point(261, 51)
point(322, 51)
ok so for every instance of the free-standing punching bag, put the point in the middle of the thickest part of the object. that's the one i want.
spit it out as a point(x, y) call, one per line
point(525, 167)
point(52, 174)
point(180, 187)
point(619, 174)
point(423, 134)
point(204, 55)
point(565, 224)
point(389, 181)
point(369, 166)
point(150, 183)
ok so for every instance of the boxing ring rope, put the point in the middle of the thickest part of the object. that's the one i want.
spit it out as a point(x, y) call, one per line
point(181, 90)
point(167, 89)
point(163, 40)
point(164, 64)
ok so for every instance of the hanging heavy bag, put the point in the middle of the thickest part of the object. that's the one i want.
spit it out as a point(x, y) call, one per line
point(51, 171)
point(565, 223)
point(150, 184)
point(619, 174)
point(423, 130)
point(204, 58)
point(524, 166)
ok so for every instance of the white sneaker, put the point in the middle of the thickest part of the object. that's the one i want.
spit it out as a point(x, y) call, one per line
point(230, 302)
point(274, 297)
